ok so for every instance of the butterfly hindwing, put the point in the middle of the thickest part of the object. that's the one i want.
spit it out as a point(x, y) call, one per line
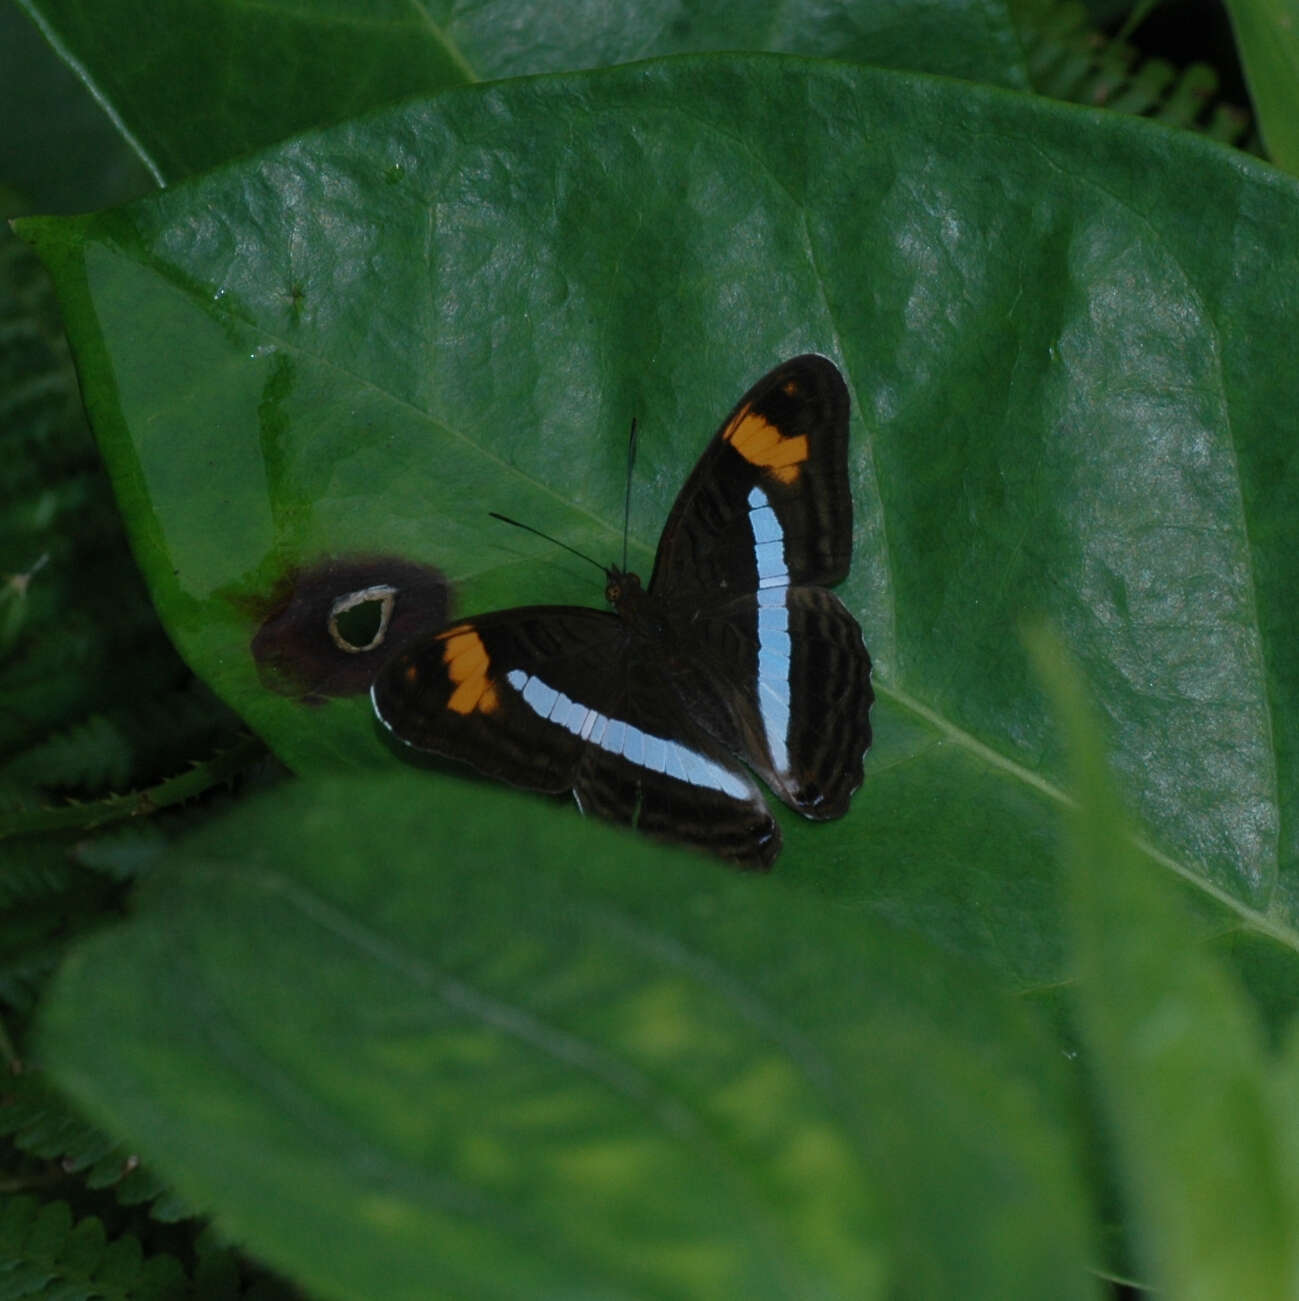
point(731, 820)
point(783, 677)
point(654, 767)
point(558, 698)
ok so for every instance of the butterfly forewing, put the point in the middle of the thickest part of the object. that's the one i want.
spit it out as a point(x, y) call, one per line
point(787, 436)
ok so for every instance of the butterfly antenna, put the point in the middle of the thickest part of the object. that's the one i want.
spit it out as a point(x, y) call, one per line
point(527, 528)
point(626, 506)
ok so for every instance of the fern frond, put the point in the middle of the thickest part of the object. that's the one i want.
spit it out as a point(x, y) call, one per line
point(169, 728)
point(42, 525)
point(92, 697)
point(80, 636)
point(43, 691)
point(48, 1254)
point(41, 1124)
point(32, 941)
point(44, 439)
point(1067, 59)
point(31, 874)
point(90, 756)
point(129, 745)
point(124, 852)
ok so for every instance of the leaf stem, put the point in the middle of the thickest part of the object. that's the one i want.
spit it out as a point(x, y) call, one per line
point(201, 778)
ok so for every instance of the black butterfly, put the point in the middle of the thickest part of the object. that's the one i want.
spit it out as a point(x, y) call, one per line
point(735, 652)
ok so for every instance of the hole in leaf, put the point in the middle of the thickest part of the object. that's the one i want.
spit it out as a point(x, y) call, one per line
point(359, 621)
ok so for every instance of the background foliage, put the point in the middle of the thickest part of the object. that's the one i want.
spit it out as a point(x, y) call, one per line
point(400, 1032)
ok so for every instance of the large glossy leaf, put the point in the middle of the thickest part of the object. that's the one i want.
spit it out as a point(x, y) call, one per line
point(515, 1064)
point(1067, 339)
point(253, 74)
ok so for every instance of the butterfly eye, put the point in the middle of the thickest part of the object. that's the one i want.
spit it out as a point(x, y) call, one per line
point(358, 621)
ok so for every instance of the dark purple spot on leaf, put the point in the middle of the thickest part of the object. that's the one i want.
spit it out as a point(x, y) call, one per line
point(326, 629)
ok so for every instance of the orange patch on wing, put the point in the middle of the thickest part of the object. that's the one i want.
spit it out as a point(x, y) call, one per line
point(761, 443)
point(467, 662)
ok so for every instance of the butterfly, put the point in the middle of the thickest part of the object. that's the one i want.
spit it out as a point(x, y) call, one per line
point(734, 657)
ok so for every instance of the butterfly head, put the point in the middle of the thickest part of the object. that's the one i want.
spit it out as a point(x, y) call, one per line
point(621, 586)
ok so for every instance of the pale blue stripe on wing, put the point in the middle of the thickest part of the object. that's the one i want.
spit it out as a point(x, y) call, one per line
point(774, 646)
point(615, 736)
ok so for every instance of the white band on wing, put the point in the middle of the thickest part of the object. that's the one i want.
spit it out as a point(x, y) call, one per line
point(613, 735)
point(773, 627)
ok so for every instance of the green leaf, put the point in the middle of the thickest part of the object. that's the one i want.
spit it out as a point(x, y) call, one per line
point(252, 75)
point(1203, 1119)
point(1267, 35)
point(1067, 340)
point(412, 1041)
point(61, 153)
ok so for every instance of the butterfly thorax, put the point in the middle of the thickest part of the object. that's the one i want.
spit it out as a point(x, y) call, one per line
point(640, 612)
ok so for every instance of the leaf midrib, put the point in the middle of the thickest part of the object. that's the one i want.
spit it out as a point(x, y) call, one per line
point(1260, 921)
